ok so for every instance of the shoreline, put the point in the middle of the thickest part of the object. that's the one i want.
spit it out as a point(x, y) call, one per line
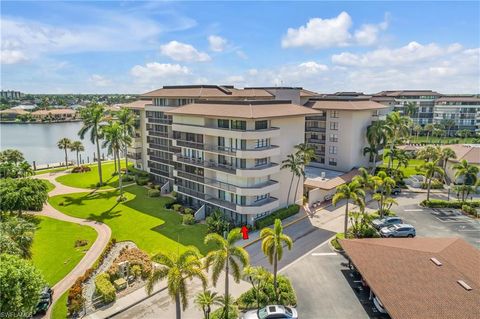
point(35, 122)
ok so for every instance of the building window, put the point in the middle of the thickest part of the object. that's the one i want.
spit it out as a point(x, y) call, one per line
point(333, 138)
point(223, 123)
point(262, 197)
point(261, 143)
point(258, 216)
point(332, 149)
point(334, 126)
point(334, 114)
point(321, 160)
point(332, 161)
point(261, 125)
point(239, 125)
point(261, 161)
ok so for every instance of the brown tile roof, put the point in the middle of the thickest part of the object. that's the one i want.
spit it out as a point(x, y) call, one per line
point(307, 93)
point(400, 272)
point(458, 99)
point(331, 183)
point(407, 93)
point(349, 105)
point(14, 111)
point(468, 152)
point(243, 109)
point(54, 111)
point(207, 91)
point(139, 104)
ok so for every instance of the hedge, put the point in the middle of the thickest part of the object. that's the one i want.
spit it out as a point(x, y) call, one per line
point(104, 287)
point(153, 193)
point(188, 219)
point(335, 242)
point(142, 180)
point(439, 203)
point(287, 296)
point(281, 213)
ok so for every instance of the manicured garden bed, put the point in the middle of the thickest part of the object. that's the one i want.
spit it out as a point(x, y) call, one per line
point(53, 250)
point(141, 219)
point(90, 179)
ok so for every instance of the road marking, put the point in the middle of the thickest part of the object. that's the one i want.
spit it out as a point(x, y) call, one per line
point(413, 210)
point(324, 254)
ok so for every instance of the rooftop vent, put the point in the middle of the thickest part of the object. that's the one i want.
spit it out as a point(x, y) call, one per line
point(436, 261)
point(464, 285)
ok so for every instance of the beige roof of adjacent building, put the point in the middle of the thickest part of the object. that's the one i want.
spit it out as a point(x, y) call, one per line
point(331, 183)
point(207, 91)
point(139, 104)
point(458, 99)
point(348, 105)
point(408, 93)
point(14, 111)
point(468, 152)
point(54, 111)
point(410, 285)
point(243, 109)
point(307, 93)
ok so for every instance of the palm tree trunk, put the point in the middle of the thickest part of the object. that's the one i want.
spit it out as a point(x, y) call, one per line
point(120, 177)
point(345, 226)
point(119, 162)
point(381, 203)
point(290, 188)
point(374, 167)
point(126, 160)
point(66, 157)
point(99, 162)
point(115, 161)
point(275, 265)
point(428, 188)
point(78, 162)
point(177, 306)
point(296, 189)
point(227, 302)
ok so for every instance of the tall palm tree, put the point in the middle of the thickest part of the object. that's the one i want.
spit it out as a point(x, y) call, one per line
point(430, 169)
point(177, 268)
point(258, 278)
point(126, 118)
point(272, 246)
point(383, 185)
point(468, 172)
point(397, 127)
point(77, 147)
point(306, 154)
point(410, 109)
point(429, 129)
point(25, 169)
point(417, 129)
point(92, 117)
point(430, 153)
point(364, 179)
point(292, 163)
point(350, 191)
point(448, 124)
point(12, 155)
point(205, 300)
point(114, 141)
point(447, 153)
point(372, 153)
point(64, 144)
point(228, 257)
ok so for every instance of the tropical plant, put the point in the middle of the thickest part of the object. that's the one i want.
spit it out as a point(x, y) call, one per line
point(126, 118)
point(383, 185)
point(351, 191)
point(448, 124)
point(292, 163)
point(25, 169)
point(77, 147)
point(364, 179)
point(306, 154)
point(12, 155)
point(272, 246)
point(23, 194)
point(446, 154)
point(396, 127)
point(258, 278)
point(429, 129)
point(430, 169)
point(16, 236)
point(377, 138)
point(417, 129)
point(469, 174)
point(64, 144)
point(177, 268)
point(402, 158)
point(228, 256)
point(217, 223)
point(410, 108)
point(463, 133)
point(92, 117)
point(205, 300)
point(430, 153)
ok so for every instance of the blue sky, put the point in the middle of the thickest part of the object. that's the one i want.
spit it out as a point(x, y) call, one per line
point(132, 47)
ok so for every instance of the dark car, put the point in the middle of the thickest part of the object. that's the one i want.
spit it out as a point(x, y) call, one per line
point(395, 191)
point(45, 300)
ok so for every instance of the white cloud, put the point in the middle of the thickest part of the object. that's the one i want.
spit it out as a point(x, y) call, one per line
point(312, 67)
point(12, 57)
point(179, 51)
point(242, 55)
point(99, 80)
point(159, 71)
point(321, 33)
point(217, 43)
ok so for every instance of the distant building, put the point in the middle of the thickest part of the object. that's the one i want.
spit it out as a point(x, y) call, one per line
point(11, 115)
point(11, 95)
point(55, 115)
point(463, 111)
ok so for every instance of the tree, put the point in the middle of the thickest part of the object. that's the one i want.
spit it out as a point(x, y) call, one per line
point(23, 194)
point(126, 118)
point(402, 158)
point(16, 236)
point(383, 185)
point(437, 132)
point(13, 156)
point(463, 133)
point(469, 174)
point(258, 278)
point(364, 179)
point(228, 257)
point(205, 300)
point(177, 268)
point(65, 144)
point(20, 284)
point(306, 154)
point(13, 164)
point(272, 246)
point(448, 124)
point(447, 153)
point(92, 117)
point(430, 169)
point(377, 138)
point(77, 147)
point(350, 191)
point(429, 129)
point(25, 169)
point(410, 109)
point(292, 163)
point(217, 223)
point(397, 127)
point(430, 153)
point(417, 129)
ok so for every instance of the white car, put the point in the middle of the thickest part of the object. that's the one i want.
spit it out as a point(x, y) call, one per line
point(271, 312)
point(378, 304)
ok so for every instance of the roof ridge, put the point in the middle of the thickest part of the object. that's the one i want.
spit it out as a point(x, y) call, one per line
point(383, 244)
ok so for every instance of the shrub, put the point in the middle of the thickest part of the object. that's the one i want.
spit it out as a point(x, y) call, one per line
point(81, 243)
point(217, 223)
point(170, 204)
point(136, 270)
point(177, 207)
point(174, 194)
point(153, 193)
point(188, 219)
point(141, 181)
point(266, 295)
point(188, 210)
point(282, 213)
point(151, 185)
point(218, 314)
point(134, 256)
point(81, 169)
point(137, 171)
point(439, 203)
point(335, 242)
point(467, 209)
point(436, 184)
point(127, 178)
point(104, 287)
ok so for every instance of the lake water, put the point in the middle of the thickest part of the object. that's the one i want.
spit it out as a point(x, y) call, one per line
point(38, 142)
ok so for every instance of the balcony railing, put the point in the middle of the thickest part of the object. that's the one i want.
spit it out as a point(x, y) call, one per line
point(161, 160)
point(159, 121)
point(316, 140)
point(159, 147)
point(157, 133)
point(220, 148)
point(159, 172)
point(218, 166)
point(231, 129)
point(134, 156)
point(188, 191)
point(315, 129)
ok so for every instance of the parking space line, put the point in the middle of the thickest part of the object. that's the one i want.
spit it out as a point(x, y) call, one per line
point(413, 210)
point(324, 254)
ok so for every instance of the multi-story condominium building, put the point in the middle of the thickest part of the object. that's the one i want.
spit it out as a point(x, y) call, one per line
point(461, 111)
point(338, 131)
point(11, 95)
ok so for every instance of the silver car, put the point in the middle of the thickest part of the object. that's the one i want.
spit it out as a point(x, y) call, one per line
point(398, 230)
point(271, 312)
point(385, 222)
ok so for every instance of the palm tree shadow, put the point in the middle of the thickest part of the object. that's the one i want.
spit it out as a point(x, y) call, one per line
point(106, 215)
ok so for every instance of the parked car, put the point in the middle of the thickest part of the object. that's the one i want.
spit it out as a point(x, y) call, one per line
point(272, 311)
point(45, 300)
point(395, 191)
point(398, 230)
point(385, 222)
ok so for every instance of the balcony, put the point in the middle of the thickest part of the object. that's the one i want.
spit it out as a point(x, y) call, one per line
point(316, 140)
point(165, 148)
point(227, 132)
point(158, 133)
point(315, 129)
point(160, 160)
point(134, 156)
point(159, 121)
point(260, 152)
point(188, 191)
point(159, 172)
point(253, 208)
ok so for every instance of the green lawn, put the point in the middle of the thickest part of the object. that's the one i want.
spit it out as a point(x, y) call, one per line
point(53, 249)
point(50, 186)
point(141, 219)
point(50, 170)
point(90, 179)
point(409, 170)
point(59, 310)
point(441, 140)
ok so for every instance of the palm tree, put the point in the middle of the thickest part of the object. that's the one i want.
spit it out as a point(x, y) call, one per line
point(64, 144)
point(306, 154)
point(77, 147)
point(350, 191)
point(417, 129)
point(372, 153)
point(448, 124)
point(429, 129)
point(114, 142)
point(293, 163)
point(364, 179)
point(447, 153)
point(410, 109)
point(402, 158)
point(258, 278)
point(430, 169)
point(228, 256)
point(25, 169)
point(92, 117)
point(272, 246)
point(397, 127)
point(177, 268)
point(126, 118)
point(468, 172)
point(12, 155)
point(205, 300)
point(383, 185)
point(376, 137)
point(463, 134)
